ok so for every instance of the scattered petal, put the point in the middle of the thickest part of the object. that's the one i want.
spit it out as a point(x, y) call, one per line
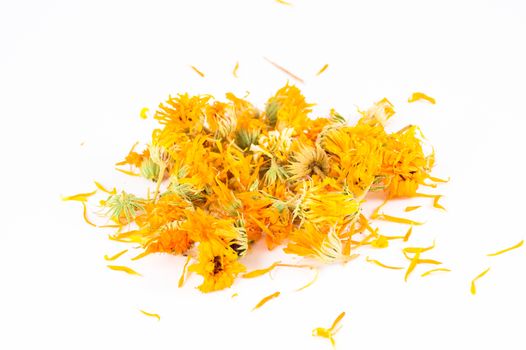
point(198, 71)
point(116, 256)
point(85, 215)
point(518, 245)
point(266, 299)
point(124, 269)
point(416, 96)
point(323, 69)
point(81, 197)
point(103, 189)
point(144, 113)
point(293, 76)
point(311, 282)
point(151, 315)
point(427, 273)
point(183, 273)
point(413, 207)
point(234, 72)
point(473, 287)
point(383, 265)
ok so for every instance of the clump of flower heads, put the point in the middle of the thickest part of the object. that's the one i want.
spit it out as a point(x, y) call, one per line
point(227, 174)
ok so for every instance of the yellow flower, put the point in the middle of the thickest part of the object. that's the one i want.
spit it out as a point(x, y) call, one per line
point(218, 265)
point(183, 113)
point(308, 162)
point(288, 109)
point(321, 205)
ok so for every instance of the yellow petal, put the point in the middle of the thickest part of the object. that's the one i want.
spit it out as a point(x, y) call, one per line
point(473, 288)
point(144, 113)
point(198, 71)
point(412, 265)
point(507, 249)
point(81, 197)
point(408, 234)
point(427, 273)
point(311, 282)
point(103, 189)
point(266, 299)
point(411, 208)
point(234, 72)
point(383, 265)
point(322, 69)
point(398, 220)
point(124, 269)
point(114, 257)
point(85, 215)
point(183, 273)
point(151, 315)
point(127, 172)
point(416, 96)
point(257, 273)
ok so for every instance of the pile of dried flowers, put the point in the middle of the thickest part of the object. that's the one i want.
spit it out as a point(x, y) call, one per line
point(227, 174)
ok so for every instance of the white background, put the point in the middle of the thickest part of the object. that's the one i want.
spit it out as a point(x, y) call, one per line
point(79, 72)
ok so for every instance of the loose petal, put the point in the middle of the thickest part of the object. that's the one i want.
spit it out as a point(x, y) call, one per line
point(419, 249)
point(398, 220)
point(283, 2)
point(408, 234)
point(266, 299)
point(85, 215)
point(124, 269)
point(127, 172)
point(436, 204)
point(411, 208)
point(151, 315)
point(257, 273)
point(295, 77)
point(234, 72)
point(421, 96)
point(322, 69)
point(382, 264)
point(437, 179)
point(427, 273)
point(507, 249)
point(412, 265)
point(103, 189)
point(198, 71)
point(115, 257)
point(473, 287)
point(183, 273)
point(81, 197)
point(144, 113)
point(329, 333)
point(311, 282)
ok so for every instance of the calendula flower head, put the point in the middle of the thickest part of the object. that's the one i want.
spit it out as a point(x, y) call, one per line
point(358, 153)
point(379, 113)
point(308, 162)
point(320, 242)
point(288, 109)
point(183, 113)
point(405, 164)
point(202, 226)
point(322, 205)
point(218, 265)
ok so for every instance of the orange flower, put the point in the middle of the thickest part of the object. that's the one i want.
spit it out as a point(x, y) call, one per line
point(218, 265)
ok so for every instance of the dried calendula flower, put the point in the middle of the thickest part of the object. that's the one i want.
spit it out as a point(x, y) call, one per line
point(221, 175)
